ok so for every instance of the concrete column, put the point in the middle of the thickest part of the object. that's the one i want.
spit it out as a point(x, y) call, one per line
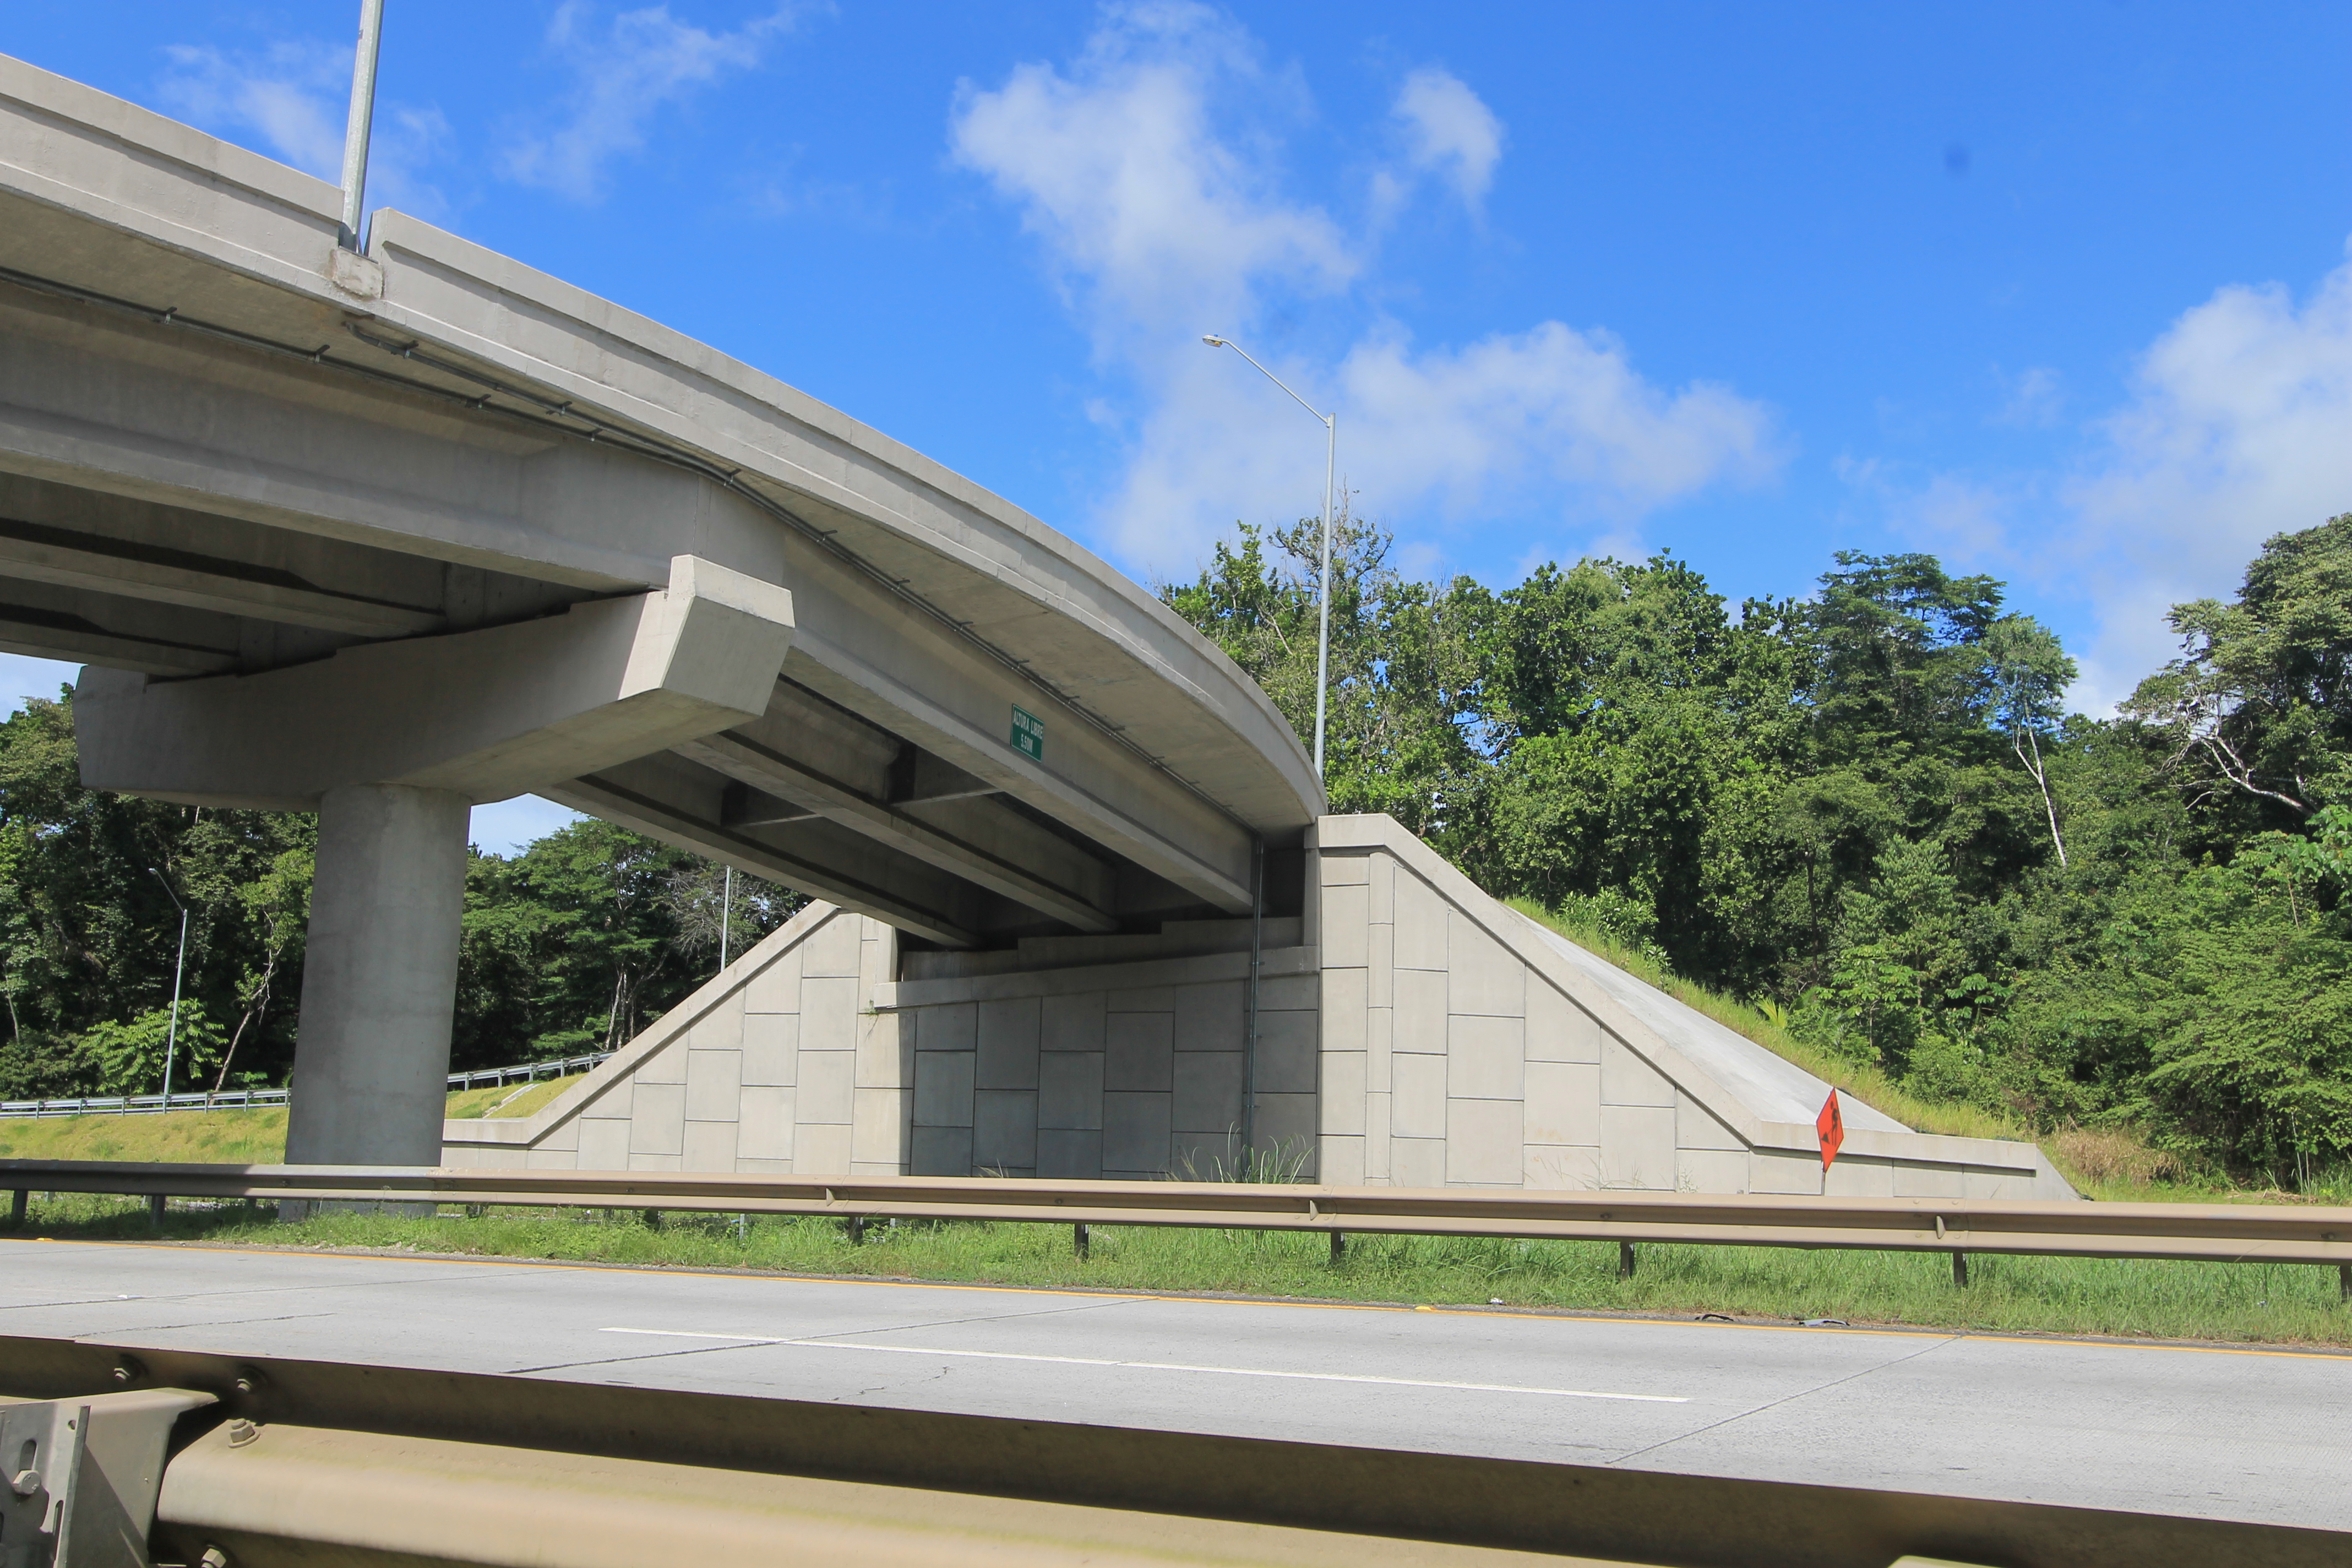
point(379, 979)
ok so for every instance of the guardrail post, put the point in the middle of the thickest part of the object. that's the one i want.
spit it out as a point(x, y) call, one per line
point(1339, 1246)
point(1083, 1241)
point(1625, 1261)
point(653, 1219)
point(1959, 1270)
point(21, 1201)
point(157, 1203)
point(2343, 1270)
point(856, 1229)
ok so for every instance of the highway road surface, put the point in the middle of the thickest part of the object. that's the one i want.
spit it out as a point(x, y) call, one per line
point(2246, 1435)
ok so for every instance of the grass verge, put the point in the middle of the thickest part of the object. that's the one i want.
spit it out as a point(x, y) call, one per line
point(241, 1137)
point(2247, 1303)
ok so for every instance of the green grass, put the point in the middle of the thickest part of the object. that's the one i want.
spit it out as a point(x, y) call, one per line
point(507, 1099)
point(2276, 1304)
point(255, 1137)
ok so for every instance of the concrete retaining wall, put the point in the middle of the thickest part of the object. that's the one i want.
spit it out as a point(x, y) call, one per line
point(1412, 1032)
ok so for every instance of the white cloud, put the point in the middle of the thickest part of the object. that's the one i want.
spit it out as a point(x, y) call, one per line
point(287, 92)
point(2239, 427)
point(1146, 211)
point(2035, 399)
point(1450, 132)
point(624, 72)
point(295, 95)
point(1150, 168)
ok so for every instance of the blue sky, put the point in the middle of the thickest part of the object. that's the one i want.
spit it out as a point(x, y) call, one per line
point(2060, 292)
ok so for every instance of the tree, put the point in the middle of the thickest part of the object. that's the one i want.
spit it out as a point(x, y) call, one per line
point(2027, 673)
point(88, 931)
point(1895, 644)
point(1403, 703)
point(2258, 707)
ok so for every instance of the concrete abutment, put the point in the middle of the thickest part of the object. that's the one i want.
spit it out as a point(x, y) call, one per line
point(1411, 1031)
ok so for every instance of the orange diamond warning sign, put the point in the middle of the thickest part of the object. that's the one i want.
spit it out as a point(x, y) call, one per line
point(1831, 1127)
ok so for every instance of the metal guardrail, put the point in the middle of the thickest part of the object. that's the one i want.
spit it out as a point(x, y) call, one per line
point(527, 1072)
point(245, 1099)
point(201, 1457)
point(2237, 1233)
point(143, 1104)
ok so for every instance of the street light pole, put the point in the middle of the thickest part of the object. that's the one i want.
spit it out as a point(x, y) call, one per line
point(179, 965)
point(355, 130)
point(1330, 467)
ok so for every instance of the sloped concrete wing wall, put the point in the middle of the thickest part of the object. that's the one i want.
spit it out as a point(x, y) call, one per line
point(1463, 1045)
point(779, 1065)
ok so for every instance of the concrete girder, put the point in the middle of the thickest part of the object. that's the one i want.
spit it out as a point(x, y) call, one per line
point(35, 554)
point(104, 403)
point(48, 621)
point(805, 751)
point(1067, 884)
point(296, 596)
point(684, 804)
point(485, 714)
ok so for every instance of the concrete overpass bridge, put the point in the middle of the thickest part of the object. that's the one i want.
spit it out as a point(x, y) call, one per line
point(384, 536)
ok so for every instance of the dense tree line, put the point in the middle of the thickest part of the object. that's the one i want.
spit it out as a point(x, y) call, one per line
point(1868, 811)
point(570, 946)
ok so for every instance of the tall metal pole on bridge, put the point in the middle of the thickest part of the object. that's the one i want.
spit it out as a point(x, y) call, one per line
point(1330, 461)
point(355, 131)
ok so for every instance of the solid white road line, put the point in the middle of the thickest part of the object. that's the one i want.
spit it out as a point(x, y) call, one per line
point(749, 1339)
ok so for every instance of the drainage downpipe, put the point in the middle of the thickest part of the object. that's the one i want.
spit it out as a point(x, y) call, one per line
point(1249, 1031)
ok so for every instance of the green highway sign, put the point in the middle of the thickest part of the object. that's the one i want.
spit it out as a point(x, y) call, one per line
point(1028, 734)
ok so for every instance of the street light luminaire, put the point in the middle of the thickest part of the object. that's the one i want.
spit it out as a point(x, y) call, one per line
point(1330, 459)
